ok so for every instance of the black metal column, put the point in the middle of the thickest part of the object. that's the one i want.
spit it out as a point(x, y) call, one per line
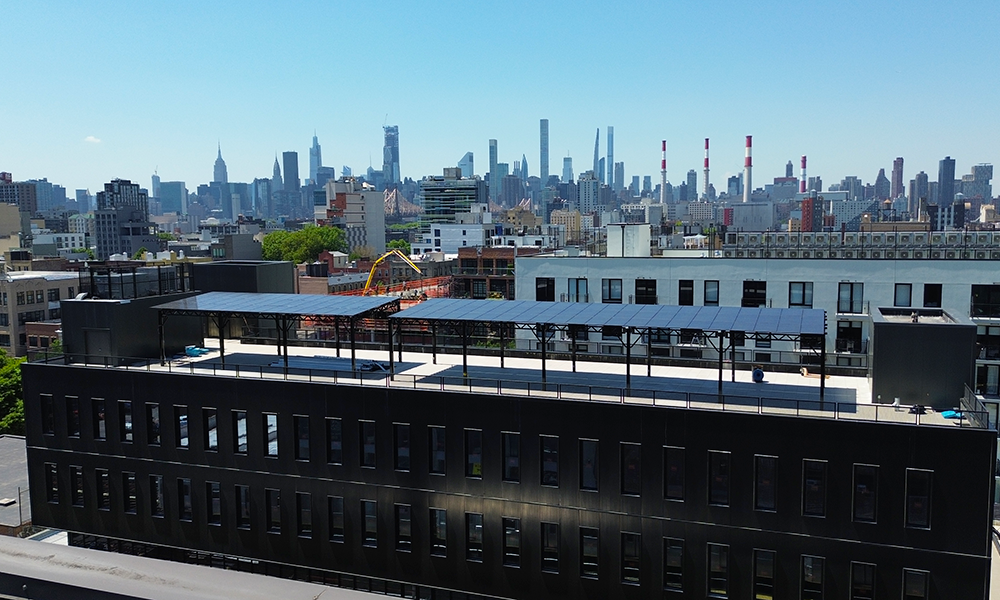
point(541, 337)
point(163, 349)
point(465, 349)
point(284, 343)
point(354, 360)
point(822, 370)
point(732, 356)
point(399, 332)
point(649, 353)
point(434, 343)
point(722, 356)
point(503, 340)
point(392, 363)
point(221, 322)
point(628, 358)
point(572, 346)
point(336, 334)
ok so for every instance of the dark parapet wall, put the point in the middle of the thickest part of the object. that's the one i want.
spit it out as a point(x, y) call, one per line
point(244, 276)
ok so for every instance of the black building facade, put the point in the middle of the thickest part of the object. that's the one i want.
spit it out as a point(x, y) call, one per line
point(447, 493)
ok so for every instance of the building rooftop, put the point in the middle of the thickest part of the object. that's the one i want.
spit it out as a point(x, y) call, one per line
point(46, 275)
point(13, 476)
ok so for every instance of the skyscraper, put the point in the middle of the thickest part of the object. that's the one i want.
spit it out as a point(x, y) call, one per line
point(789, 170)
point(611, 158)
point(692, 185)
point(315, 158)
point(467, 165)
point(290, 162)
point(977, 183)
point(882, 187)
point(494, 176)
point(597, 160)
point(543, 138)
point(600, 170)
point(567, 174)
point(946, 181)
point(919, 190)
point(121, 221)
point(897, 178)
point(619, 177)
point(220, 175)
point(276, 185)
point(390, 156)
point(155, 188)
point(523, 172)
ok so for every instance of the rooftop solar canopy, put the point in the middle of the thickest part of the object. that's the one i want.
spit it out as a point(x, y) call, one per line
point(312, 305)
point(782, 321)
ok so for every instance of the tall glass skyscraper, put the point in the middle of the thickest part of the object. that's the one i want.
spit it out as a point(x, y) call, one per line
point(543, 163)
point(390, 155)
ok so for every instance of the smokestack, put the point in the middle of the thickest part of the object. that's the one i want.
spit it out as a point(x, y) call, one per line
point(663, 174)
point(705, 195)
point(802, 183)
point(747, 171)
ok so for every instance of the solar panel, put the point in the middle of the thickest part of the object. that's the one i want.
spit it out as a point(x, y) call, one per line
point(278, 304)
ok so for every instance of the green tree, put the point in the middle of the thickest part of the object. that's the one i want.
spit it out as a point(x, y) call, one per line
point(401, 244)
point(140, 254)
point(87, 251)
point(11, 395)
point(303, 245)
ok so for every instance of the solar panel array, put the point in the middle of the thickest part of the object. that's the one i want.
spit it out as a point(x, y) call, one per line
point(279, 304)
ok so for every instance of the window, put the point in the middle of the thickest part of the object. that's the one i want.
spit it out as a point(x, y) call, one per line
point(243, 507)
point(511, 542)
point(762, 340)
point(812, 578)
point(763, 574)
point(335, 506)
point(865, 493)
point(550, 547)
point(48, 414)
point(588, 465)
point(765, 476)
point(54, 295)
point(814, 488)
point(401, 442)
point(673, 473)
point(631, 551)
point(439, 532)
point(240, 431)
point(367, 430)
point(369, 508)
point(51, 483)
point(800, 294)
point(545, 289)
point(210, 422)
point(718, 571)
point(181, 426)
point(270, 435)
point(184, 499)
point(125, 420)
point(754, 294)
point(152, 424)
point(932, 295)
point(673, 564)
point(611, 291)
point(850, 298)
point(711, 293)
point(918, 498)
point(718, 478)
point(304, 523)
point(685, 292)
point(301, 423)
point(213, 509)
point(862, 581)
point(903, 294)
point(437, 450)
point(156, 495)
point(550, 460)
point(103, 489)
point(474, 453)
point(404, 527)
point(631, 476)
point(334, 441)
point(915, 584)
point(129, 492)
point(273, 499)
point(474, 537)
point(76, 485)
point(578, 290)
point(511, 456)
point(20, 298)
point(645, 291)
point(589, 552)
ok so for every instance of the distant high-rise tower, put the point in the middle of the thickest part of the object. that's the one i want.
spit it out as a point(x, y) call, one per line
point(897, 178)
point(290, 162)
point(919, 190)
point(276, 185)
point(155, 189)
point(611, 158)
point(882, 186)
point(543, 139)
point(977, 183)
point(789, 170)
point(220, 175)
point(467, 165)
point(946, 181)
point(597, 159)
point(390, 155)
point(523, 172)
point(692, 185)
point(619, 177)
point(600, 170)
point(315, 158)
point(567, 174)
point(494, 175)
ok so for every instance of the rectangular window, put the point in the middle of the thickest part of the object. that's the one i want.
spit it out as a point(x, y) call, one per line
point(185, 510)
point(814, 488)
point(20, 298)
point(800, 294)
point(181, 426)
point(474, 537)
point(51, 483)
point(645, 291)
point(862, 581)
point(850, 297)
point(763, 574)
point(73, 416)
point(865, 493)
point(129, 492)
point(812, 578)
point(335, 506)
point(673, 564)
point(611, 291)
point(932, 295)
point(711, 293)
point(631, 475)
point(718, 571)
point(270, 421)
point(240, 431)
point(511, 456)
point(303, 504)
point(401, 440)
point(367, 430)
point(578, 290)
point(685, 292)
point(511, 542)
point(631, 552)
point(439, 532)
point(903, 294)
point(545, 289)
point(436, 440)
point(918, 498)
point(76, 485)
point(718, 478)
point(550, 460)
point(765, 477)
point(754, 294)
point(100, 420)
point(156, 495)
point(272, 498)
point(589, 552)
point(915, 584)
point(334, 441)
point(550, 547)
point(103, 489)
point(152, 424)
point(210, 424)
point(243, 507)
point(404, 527)
point(213, 509)
point(301, 423)
point(673, 473)
point(588, 465)
point(369, 538)
point(474, 453)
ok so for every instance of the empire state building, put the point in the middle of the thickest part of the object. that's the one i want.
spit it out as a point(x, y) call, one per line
point(220, 176)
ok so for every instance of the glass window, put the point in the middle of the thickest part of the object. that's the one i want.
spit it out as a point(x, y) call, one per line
point(404, 527)
point(611, 291)
point(550, 460)
point(673, 564)
point(814, 488)
point(474, 536)
point(763, 574)
point(437, 450)
point(103, 489)
point(545, 289)
point(865, 493)
point(181, 426)
point(185, 510)
point(369, 508)
point(588, 465)
point(243, 507)
point(76, 485)
point(918, 498)
point(213, 512)
point(765, 473)
point(812, 578)
point(631, 474)
point(511, 456)
point(51, 483)
point(334, 441)
point(273, 499)
point(439, 532)
point(718, 478)
point(685, 292)
point(862, 581)
point(474, 453)
point(800, 294)
point(271, 435)
point(718, 571)
point(210, 420)
point(850, 298)
point(129, 492)
point(550, 547)
point(401, 439)
point(240, 431)
point(124, 420)
point(156, 495)
point(48, 414)
point(152, 424)
point(335, 506)
point(645, 291)
point(903, 294)
point(72, 416)
point(303, 504)
point(631, 551)
point(754, 294)
point(301, 423)
point(711, 293)
point(590, 548)
point(915, 584)
point(578, 290)
point(673, 473)
point(932, 295)
point(511, 542)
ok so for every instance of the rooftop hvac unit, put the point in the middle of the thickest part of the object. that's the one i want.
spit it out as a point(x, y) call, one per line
point(980, 254)
point(727, 253)
point(949, 254)
point(890, 254)
point(904, 254)
point(918, 254)
point(740, 253)
point(995, 255)
point(819, 254)
point(935, 254)
point(848, 254)
point(805, 254)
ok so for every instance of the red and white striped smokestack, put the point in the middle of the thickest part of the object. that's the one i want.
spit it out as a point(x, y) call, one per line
point(663, 174)
point(747, 170)
point(705, 185)
point(802, 183)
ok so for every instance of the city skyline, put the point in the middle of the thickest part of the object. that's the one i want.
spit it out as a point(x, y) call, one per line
point(176, 108)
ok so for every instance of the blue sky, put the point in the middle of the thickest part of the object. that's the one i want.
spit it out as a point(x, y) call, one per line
point(98, 90)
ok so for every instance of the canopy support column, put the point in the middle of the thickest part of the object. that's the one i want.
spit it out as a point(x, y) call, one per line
point(465, 349)
point(392, 363)
point(572, 346)
point(543, 340)
point(221, 322)
point(628, 358)
point(336, 334)
point(354, 358)
point(732, 356)
point(649, 353)
point(503, 340)
point(163, 348)
point(434, 343)
point(722, 356)
point(822, 371)
point(399, 332)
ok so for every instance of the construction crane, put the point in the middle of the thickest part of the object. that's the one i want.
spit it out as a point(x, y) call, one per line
point(393, 252)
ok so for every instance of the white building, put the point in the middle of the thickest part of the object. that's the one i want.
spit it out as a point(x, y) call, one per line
point(449, 237)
